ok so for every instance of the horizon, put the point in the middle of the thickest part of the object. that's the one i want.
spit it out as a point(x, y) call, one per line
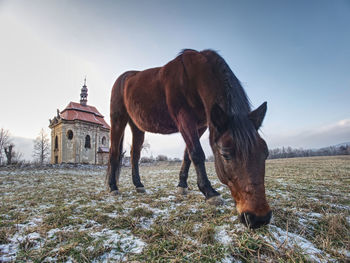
point(294, 55)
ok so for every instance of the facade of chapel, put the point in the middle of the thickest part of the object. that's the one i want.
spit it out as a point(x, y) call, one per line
point(79, 134)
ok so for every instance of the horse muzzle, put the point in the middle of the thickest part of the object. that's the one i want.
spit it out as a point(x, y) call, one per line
point(252, 221)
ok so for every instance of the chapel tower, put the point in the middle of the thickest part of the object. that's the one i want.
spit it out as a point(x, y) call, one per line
point(79, 133)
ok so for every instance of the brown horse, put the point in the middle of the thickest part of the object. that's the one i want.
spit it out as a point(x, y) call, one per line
point(194, 91)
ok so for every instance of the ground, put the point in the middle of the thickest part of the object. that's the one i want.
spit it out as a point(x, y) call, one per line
point(63, 214)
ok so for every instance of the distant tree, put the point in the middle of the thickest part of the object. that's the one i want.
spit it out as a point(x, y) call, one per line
point(161, 158)
point(4, 142)
point(9, 153)
point(41, 147)
point(145, 146)
point(290, 152)
point(17, 157)
point(12, 156)
point(147, 159)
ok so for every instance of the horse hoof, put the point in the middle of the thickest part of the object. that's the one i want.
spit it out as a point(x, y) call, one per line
point(182, 190)
point(215, 200)
point(115, 192)
point(140, 190)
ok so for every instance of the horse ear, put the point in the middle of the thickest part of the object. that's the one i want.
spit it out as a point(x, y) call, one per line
point(257, 116)
point(219, 118)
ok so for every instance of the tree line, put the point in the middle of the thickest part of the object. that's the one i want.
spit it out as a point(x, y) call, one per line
point(289, 152)
point(41, 151)
point(9, 155)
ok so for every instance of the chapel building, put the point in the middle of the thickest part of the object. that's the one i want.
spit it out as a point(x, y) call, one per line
point(79, 134)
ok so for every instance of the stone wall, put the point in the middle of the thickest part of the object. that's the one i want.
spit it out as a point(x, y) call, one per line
point(73, 146)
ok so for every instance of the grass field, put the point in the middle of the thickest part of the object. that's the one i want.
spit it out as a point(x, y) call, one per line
point(65, 215)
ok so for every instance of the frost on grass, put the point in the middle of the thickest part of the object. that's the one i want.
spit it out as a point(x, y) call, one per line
point(121, 243)
point(291, 240)
point(64, 214)
point(222, 236)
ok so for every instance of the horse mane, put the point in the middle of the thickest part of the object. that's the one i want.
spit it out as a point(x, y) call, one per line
point(237, 103)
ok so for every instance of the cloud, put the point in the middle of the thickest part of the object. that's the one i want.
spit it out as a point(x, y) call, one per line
point(317, 137)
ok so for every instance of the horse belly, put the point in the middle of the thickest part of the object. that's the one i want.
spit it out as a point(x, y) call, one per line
point(150, 113)
point(154, 121)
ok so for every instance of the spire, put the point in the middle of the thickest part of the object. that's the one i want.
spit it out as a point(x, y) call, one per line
point(84, 94)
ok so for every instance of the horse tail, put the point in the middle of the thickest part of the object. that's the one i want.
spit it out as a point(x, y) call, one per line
point(120, 160)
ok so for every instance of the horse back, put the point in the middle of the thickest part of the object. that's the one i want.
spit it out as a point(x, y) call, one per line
point(154, 97)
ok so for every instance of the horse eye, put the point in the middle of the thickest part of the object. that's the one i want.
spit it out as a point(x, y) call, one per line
point(226, 156)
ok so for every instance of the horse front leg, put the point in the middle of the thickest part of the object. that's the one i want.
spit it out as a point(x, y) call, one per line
point(182, 187)
point(188, 130)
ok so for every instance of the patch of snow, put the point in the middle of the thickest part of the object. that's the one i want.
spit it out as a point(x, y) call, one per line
point(344, 252)
point(343, 207)
point(123, 240)
point(169, 198)
point(233, 218)
point(193, 210)
point(230, 259)
point(49, 259)
point(8, 252)
point(52, 232)
point(33, 236)
point(303, 221)
point(315, 215)
point(196, 227)
point(113, 215)
point(289, 239)
point(222, 236)
point(164, 171)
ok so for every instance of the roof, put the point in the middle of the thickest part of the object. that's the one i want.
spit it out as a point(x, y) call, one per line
point(76, 111)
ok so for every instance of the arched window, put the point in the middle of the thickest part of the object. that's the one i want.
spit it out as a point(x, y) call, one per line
point(103, 140)
point(56, 143)
point(87, 141)
point(70, 134)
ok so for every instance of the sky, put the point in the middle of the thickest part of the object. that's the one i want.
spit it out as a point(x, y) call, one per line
point(293, 54)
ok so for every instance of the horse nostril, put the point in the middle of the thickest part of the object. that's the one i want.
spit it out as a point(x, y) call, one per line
point(252, 221)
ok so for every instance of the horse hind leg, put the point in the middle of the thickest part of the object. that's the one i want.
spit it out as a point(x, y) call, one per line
point(182, 187)
point(135, 153)
point(116, 152)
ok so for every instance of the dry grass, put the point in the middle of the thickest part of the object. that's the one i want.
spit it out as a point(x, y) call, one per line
point(64, 214)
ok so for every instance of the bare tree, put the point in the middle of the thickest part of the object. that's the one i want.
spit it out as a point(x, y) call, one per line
point(4, 142)
point(145, 146)
point(41, 147)
point(161, 158)
point(9, 153)
point(17, 158)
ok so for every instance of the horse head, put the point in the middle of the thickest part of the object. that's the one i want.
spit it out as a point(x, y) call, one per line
point(240, 155)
